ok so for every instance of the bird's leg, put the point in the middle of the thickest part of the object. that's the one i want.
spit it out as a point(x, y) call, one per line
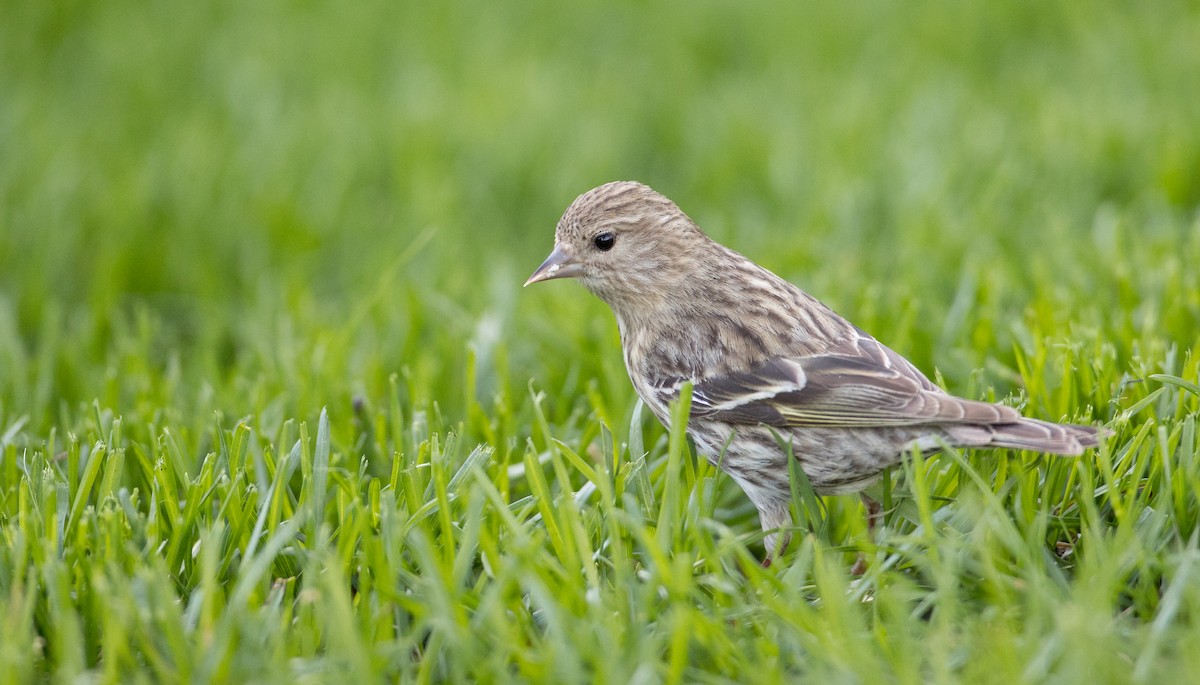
point(775, 543)
point(874, 515)
point(773, 518)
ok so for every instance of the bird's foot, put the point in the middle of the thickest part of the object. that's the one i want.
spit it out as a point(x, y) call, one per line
point(860, 565)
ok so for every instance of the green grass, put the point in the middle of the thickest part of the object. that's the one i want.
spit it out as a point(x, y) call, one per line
point(274, 407)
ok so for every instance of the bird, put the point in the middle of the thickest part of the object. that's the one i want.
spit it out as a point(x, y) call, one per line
point(775, 374)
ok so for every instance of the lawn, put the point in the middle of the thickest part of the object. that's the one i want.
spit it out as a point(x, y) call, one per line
point(274, 406)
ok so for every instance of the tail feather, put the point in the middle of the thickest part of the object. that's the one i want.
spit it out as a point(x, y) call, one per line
point(1043, 436)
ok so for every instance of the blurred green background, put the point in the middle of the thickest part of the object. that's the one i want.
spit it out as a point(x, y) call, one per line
point(222, 205)
point(217, 218)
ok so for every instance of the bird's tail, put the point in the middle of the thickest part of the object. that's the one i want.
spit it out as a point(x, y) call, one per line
point(1043, 436)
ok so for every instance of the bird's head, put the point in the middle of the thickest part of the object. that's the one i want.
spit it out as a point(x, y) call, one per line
point(627, 244)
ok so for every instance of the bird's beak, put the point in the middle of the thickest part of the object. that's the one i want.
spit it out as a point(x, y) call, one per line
point(557, 265)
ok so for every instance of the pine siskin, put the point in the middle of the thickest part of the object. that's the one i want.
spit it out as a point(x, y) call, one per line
point(767, 360)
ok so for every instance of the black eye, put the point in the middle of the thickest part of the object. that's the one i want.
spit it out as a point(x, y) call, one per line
point(604, 241)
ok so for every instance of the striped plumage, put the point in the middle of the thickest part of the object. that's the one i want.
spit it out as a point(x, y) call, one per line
point(767, 360)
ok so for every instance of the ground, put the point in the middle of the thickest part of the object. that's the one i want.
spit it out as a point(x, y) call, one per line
point(275, 408)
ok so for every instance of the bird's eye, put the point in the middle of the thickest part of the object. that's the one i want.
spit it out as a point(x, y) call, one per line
point(604, 241)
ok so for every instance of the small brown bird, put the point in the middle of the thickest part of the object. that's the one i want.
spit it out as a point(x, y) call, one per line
point(767, 360)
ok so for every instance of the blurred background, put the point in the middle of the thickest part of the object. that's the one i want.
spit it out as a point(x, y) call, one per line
point(271, 207)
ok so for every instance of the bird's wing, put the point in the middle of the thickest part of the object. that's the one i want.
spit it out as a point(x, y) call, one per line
point(867, 386)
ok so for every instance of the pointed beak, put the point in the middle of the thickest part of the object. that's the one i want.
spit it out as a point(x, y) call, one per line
point(557, 265)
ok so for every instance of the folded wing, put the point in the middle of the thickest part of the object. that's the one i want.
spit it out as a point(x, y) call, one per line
point(866, 386)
